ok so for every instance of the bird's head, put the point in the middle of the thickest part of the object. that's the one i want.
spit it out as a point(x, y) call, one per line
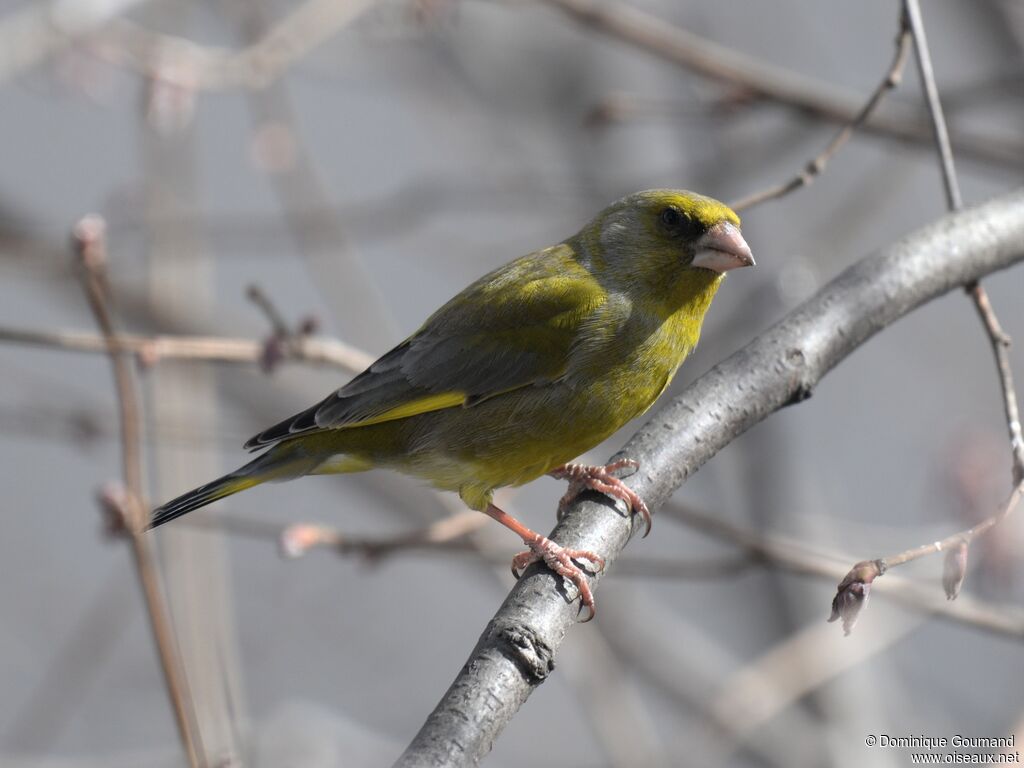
point(664, 241)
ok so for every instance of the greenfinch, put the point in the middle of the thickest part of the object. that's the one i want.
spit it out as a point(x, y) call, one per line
point(530, 366)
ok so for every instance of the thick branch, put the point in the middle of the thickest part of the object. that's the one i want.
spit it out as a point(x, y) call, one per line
point(780, 367)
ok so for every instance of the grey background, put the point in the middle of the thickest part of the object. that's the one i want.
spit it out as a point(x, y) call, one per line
point(441, 148)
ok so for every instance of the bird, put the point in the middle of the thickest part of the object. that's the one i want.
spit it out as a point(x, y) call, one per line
point(527, 368)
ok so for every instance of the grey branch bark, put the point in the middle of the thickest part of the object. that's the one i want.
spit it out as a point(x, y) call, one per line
point(781, 367)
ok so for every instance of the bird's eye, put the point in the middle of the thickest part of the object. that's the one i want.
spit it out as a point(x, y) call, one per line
point(671, 218)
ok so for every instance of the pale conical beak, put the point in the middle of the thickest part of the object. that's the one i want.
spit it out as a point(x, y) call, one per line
point(723, 248)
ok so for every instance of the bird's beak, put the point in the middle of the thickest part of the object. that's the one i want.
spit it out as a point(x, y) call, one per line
point(723, 248)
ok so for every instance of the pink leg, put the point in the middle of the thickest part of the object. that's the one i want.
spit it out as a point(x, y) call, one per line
point(584, 477)
point(556, 557)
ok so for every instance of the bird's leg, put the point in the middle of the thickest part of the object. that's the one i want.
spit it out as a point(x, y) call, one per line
point(584, 477)
point(555, 556)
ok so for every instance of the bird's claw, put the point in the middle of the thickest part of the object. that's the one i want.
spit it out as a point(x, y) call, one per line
point(560, 560)
point(583, 477)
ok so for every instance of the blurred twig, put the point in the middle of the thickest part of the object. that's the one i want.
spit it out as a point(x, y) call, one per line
point(299, 184)
point(152, 349)
point(764, 80)
point(449, 534)
point(31, 34)
point(814, 168)
point(798, 557)
point(442, 537)
point(210, 68)
point(622, 719)
point(748, 700)
point(684, 659)
point(90, 246)
point(284, 342)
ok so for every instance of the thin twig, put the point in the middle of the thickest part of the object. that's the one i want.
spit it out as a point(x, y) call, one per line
point(278, 324)
point(284, 341)
point(962, 537)
point(152, 349)
point(448, 535)
point(954, 201)
point(857, 584)
point(798, 557)
point(355, 298)
point(296, 540)
point(855, 587)
point(89, 240)
point(443, 537)
point(1000, 341)
point(815, 167)
point(1000, 348)
point(762, 79)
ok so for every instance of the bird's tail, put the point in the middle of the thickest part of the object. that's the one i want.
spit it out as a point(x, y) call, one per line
point(201, 496)
point(276, 464)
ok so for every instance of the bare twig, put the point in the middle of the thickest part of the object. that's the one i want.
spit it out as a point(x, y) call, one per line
point(299, 185)
point(797, 557)
point(618, 106)
point(962, 537)
point(765, 80)
point(89, 239)
point(748, 699)
point(954, 201)
point(912, 9)
point(443, 537)
point(296, 540)
point(152, 349)
point(278, 324)
point(854, 588)
point(815, 167)
point(1000, 341)
point(780, 367)
point(208, 68)
point(1000, 347)
point(284, 342)
point(39, 30)
point(449, 535)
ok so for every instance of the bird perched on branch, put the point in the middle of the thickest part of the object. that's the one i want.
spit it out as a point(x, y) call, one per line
point(527, 368)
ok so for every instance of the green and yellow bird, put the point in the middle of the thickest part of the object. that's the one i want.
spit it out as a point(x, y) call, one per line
point(527, 368)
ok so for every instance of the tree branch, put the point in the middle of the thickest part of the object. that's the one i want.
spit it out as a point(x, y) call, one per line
point(954, 202)
point(304, 28)
point(90, 245)
point(781, 367)
point(220, 349)
point(814, 168)
point(765, 80)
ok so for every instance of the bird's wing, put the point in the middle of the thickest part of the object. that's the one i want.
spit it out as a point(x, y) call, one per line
point(514, 327)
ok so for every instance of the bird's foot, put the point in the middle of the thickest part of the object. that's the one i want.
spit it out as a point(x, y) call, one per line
point(560, 560)
point(583, 477)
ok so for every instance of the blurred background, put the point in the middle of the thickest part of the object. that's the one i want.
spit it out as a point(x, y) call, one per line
point(360, 162)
